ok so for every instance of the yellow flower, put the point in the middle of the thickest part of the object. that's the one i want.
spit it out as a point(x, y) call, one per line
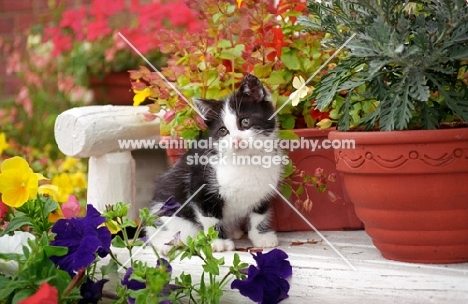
point(113, 226)
point(49, 190)
point(18, 182)
point(239, 3)
point(78, 180)
point(140, 96)
point(65, 186)
point(3, 143)
point(69, 163)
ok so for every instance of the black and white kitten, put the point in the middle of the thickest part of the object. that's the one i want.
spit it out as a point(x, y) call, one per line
point(236, 191)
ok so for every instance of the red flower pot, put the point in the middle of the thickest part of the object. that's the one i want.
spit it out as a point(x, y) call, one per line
point(114, 88)
point(410, 190)
point(325, 214)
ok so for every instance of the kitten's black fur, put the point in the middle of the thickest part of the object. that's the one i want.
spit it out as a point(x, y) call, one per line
point(216, 200)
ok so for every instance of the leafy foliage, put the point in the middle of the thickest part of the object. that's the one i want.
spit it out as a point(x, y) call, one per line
point(410, 57)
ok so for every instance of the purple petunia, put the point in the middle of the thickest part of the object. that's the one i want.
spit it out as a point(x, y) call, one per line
point(83, 237)
point(137, 285)
point(131, 284)
point(266, 283)
point(91, 292)
point(169, 207)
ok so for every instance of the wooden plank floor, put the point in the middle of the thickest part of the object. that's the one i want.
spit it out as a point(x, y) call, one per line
point(320, 275)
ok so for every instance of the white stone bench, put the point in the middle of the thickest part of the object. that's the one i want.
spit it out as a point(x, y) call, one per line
point(94, 132)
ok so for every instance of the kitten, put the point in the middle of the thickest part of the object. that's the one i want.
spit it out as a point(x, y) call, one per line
point(236, 191)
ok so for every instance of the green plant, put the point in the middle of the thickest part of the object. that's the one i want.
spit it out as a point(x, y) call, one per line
point(405, 62)
point(43, 258)
point(257, 37)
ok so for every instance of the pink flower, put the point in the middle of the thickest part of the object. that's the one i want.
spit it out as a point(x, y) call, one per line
point(169, 116)
point(318, 172)
point(71, 208)
point(24, 100)
point(74, 20)
point(97, 29)
point(3, 210)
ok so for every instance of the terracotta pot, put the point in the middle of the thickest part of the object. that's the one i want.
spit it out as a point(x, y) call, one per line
point(174, 153)
point(114, 88)
point(410, 190)
point(325, 213)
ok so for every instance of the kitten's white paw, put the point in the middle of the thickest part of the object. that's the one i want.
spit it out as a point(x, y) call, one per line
point(264, 240)
point(237, 234)
point(222, 245)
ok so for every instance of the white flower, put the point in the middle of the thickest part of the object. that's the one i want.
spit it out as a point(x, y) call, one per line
point(301, 90)
point(13, 244)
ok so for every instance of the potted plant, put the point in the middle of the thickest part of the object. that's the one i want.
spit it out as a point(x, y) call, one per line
point(262, 38)
point(406, 175)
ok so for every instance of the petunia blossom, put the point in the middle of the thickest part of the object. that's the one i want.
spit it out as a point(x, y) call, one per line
point(169, 207)
point(13, 244)
point(46, 294)
point(266, 283)
point(132, 284)
point(91, 291)
point(84, 237)
point(3, 210)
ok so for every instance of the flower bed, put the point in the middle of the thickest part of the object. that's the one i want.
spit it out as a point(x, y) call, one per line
point(48, 259)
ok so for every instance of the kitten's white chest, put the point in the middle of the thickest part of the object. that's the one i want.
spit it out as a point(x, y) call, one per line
point(242, 186)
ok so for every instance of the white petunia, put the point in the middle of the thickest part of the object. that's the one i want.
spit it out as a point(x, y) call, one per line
point(13, 244)
point(301, 90)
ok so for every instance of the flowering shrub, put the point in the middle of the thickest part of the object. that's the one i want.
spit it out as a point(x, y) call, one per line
point(258, 37)
point(86, 39)
point(42, 261)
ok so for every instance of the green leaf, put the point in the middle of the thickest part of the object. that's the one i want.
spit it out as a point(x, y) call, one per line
point(118, 242)
point(276, 78)
point(128, 223)
point(211, 267)
point(10, 286)
point(111, 267)
point(288, 135)
point(263, 70)
point(11, 256)
point(22, 294)
point(287, 121)
point(17, 223)
point(286, 191)
point(55, 250)
point(224, 43)
point(289, 58)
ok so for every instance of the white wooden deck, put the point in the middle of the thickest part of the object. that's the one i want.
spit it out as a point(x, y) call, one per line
point(321, 276)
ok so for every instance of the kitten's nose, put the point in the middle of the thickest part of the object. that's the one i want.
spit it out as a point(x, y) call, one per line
point(237, 143)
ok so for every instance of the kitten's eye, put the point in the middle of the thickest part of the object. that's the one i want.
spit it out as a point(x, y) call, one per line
point(245, 122)
point(223, 131)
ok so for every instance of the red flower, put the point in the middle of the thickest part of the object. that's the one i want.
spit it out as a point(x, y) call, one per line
point(46, 294)
point(3, 210)
point(227, 64)
point(97, 29)
point(318, 116)
point(277, 43)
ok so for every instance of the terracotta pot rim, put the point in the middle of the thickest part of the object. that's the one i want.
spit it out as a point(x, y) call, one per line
point(312, 131)
point(402, 137)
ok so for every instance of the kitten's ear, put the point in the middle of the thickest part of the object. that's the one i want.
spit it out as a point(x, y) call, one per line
point(209, 108)
point(252, 87)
